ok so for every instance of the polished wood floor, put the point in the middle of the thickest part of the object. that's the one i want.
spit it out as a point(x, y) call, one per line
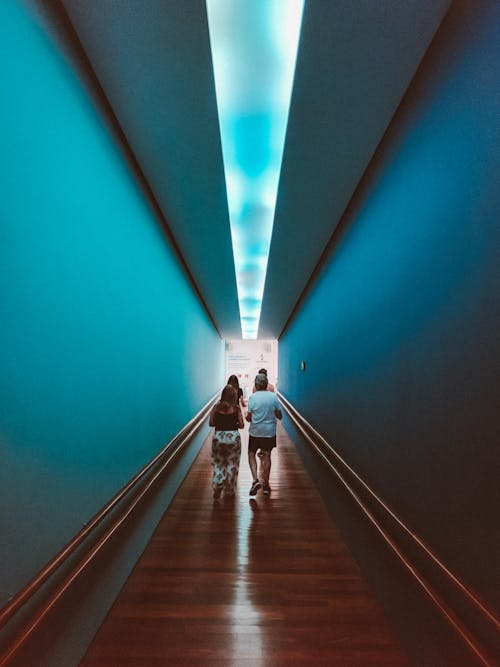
point(265, 582)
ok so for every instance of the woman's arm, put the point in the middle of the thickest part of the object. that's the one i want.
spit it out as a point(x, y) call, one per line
point(212, 415)
point(240, 419)
point(241, 399)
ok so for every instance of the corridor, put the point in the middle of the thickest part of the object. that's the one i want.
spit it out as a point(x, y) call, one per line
point(315, 177)
point(246, 583)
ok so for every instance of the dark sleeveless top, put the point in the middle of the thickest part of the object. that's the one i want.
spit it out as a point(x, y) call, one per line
point(226, 422)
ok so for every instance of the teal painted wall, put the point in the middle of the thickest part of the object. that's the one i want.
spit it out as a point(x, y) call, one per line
point(399, 329)
point(105, 350)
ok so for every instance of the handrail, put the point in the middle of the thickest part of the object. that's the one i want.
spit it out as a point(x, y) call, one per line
point(445, 610)
point(173, 447)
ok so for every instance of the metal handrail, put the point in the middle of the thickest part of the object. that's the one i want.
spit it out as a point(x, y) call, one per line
point(172, 448)
point(445, 610)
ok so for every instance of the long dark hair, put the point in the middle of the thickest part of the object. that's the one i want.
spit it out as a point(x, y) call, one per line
point(233, 380)
point(228, 397)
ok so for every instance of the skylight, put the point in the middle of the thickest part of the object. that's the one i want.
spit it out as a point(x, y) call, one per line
point(254, 48)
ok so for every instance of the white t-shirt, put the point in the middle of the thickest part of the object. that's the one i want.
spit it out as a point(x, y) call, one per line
point(262, 405)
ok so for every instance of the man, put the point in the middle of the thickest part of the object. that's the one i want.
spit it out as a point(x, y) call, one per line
point(270, 387)
point(263, 411)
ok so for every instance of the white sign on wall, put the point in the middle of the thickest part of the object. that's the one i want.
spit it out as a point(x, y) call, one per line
point(244, 358)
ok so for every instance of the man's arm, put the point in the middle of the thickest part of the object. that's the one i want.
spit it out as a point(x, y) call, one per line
point(250, 403)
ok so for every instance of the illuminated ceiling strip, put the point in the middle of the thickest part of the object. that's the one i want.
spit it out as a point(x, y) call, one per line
point(254, 49)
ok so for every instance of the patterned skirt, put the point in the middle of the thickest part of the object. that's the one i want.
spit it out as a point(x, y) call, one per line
point(226, 453)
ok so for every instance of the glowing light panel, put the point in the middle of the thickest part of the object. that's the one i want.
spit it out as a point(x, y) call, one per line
point(254, 49)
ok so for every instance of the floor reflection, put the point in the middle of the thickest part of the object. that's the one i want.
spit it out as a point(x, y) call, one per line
point(245, 582)
point(251, 609)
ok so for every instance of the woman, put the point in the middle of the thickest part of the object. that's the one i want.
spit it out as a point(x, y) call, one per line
point(233, 380)
point(227, 418)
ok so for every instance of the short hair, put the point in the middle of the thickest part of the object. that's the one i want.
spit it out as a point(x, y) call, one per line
point(261, 381)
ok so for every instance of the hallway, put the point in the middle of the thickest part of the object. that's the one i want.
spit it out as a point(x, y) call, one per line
point(363, 241)
point(249, 582)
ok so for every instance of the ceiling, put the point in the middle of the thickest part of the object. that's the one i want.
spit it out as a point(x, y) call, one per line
point(153, 60)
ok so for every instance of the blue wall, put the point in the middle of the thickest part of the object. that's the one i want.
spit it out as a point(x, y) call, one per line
point(399, 328)
point(105, 350)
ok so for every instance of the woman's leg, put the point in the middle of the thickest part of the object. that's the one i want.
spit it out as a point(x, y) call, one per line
point(218, 467)
point(233, 466)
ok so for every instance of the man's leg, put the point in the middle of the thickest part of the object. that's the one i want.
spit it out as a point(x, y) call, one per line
point(265, 468)
point(253, 468)
point(253, 465)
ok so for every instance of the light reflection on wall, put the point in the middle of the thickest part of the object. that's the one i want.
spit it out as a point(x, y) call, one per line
point(254, 48)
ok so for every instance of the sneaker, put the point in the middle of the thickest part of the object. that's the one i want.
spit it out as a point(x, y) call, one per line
point(254, 488)
point(266, 489)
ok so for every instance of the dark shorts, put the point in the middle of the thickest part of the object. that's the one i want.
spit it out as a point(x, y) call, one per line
point(266, 444)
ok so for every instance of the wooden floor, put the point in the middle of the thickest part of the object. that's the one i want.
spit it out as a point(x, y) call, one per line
point(265, 582)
